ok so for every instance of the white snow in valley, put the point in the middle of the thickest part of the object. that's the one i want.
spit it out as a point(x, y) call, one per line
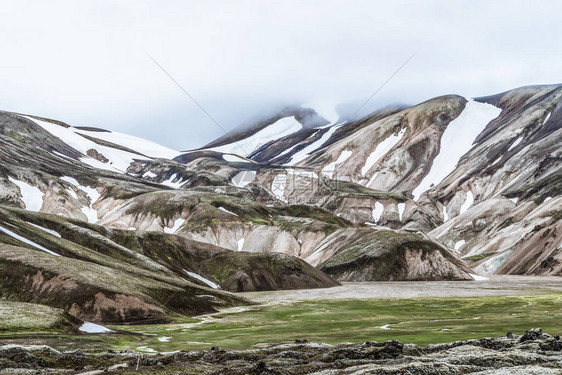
point(459, 244)
point(378, 211)
point(381, 149)
point(244, 178)
point(164, 339)
point(331, 168)
point(177, 225)
point(478, 277)
point(277, 130)
point(30, 195)
point(514, 144)
point(227, 211)
point(93, 328)
point(201, 278)
point(547, 199)
point(546, 118)
point(302, 154)
point(457, 140)
point(401, 208)
point(93, 195)
point(278, 186)
point(514, 200)
point(467, 203)
point(50, 231)
point(386, 326)
point(25, 240)
point(240, 244)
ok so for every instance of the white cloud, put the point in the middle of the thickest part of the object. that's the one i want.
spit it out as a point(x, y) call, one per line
point(84, 62)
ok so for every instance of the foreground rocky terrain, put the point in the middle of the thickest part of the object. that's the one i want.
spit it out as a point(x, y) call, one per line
point(533, 352)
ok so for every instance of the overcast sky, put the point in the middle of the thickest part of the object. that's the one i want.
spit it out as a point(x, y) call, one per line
point(85, 62)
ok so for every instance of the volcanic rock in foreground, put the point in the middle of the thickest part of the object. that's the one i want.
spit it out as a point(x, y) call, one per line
point(532, 353)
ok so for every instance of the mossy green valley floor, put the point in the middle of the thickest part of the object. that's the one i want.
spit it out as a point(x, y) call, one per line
point(419, 321)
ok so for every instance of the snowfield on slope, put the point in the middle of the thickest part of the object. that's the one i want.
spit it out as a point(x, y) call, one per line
point(119, 160)
point(456, 141)
point(381, 149)
point(30, 195)
point(144, 146)
point(277, 130)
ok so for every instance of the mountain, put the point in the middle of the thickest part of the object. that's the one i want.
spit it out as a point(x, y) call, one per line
point(111, 227)
point(481, 176)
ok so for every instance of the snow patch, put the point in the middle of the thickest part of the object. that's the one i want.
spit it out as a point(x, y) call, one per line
point(386, 326)
point(201, 278)
point(227, 211)
point(164, 339)
point(459, 244)
point(445, 214)
point(456, 141)
point(240, 244)
point(378, 211)
point(146, 349)
point(331, 168)
point(31, 196)
point(467, 203)
point(169, 182)
point(401, 208)
point(25, 240)
point(381, 149)
point(149, 174)
point(50, 231)
point(177, 224)
point(93, 328)
point(514, 200)
point(547, 199)
point(514, 144)
point(546, 118)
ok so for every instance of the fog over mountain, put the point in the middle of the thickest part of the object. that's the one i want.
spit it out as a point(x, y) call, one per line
point(87, 64)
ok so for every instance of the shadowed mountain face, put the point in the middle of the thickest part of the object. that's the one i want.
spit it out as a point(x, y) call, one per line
point(439, 190)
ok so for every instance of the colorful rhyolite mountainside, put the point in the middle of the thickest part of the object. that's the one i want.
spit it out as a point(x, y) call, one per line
point(115, 228)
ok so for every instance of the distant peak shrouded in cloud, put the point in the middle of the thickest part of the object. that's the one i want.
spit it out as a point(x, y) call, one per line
point(84, 62)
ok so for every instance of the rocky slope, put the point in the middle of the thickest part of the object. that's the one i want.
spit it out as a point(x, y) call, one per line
point(534, 352)
point(477, 179)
